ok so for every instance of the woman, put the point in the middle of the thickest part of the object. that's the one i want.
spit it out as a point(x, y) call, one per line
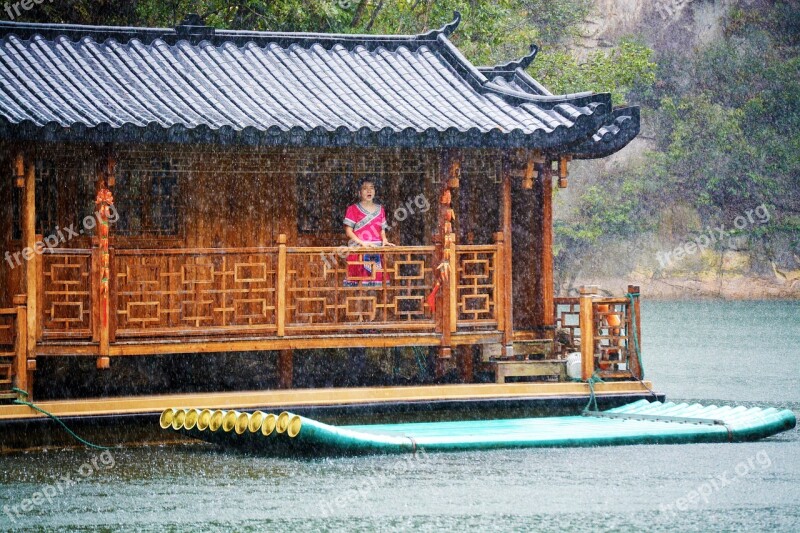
point(365, 225)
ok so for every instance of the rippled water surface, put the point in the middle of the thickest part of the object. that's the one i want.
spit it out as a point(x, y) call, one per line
point(742, 352)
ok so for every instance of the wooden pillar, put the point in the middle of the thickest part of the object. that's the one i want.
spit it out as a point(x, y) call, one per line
point(103, 202)
point(280, 304)
point(500, 280)
point(285, 368)
point(507, 273)
point(465, 363)
point(445, 258)
point(547, 318)
point(29, 242)
point(452, 290)
point(103, 308)
point(636, 326)
point(587, 331)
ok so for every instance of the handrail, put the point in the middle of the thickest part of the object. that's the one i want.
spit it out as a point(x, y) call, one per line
point(67, 251)
point(359, 249)
point(194, 251)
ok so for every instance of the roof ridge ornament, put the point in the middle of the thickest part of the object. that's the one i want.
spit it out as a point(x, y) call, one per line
point(523, 62)
point(194, 28)
point(445, 30)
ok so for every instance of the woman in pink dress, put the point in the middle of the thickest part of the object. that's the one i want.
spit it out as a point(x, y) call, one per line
point(365, 225)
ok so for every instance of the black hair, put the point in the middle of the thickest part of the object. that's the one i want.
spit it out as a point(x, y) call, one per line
point(366, 179)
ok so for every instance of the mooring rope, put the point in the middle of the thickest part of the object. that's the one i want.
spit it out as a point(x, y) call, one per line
point(636, 347)
point(592, 398)
point(54, 417)
point(632, 297)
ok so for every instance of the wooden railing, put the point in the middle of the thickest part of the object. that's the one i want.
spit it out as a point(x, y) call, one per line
point(13, 356)
point(66, 293)
point(604, 330)
point(273, 291)
point(477, 289)
point(568, 323)
point(390, 294)
point(194, 291)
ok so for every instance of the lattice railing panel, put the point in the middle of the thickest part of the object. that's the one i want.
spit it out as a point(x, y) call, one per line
point(568, 319)
point(321, 295)
point(195, 292)
point(476, 285)
point(66, 306)
point(611, 333)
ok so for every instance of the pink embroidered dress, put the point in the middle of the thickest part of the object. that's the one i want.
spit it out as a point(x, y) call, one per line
point(367, 225)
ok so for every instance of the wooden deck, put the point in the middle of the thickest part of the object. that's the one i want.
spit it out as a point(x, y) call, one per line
point(280, 399)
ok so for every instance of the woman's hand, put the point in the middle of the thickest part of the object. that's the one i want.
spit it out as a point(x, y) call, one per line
point(387, 243)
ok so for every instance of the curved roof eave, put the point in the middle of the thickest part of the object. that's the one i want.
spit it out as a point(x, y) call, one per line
point(612, 137)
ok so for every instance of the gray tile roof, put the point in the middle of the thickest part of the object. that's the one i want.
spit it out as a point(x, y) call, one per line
point(197, 84)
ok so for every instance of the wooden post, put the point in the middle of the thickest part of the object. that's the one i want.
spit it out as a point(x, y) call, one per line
point(20, 351)
point(499, 281)
point(453, 286)
point(548, 311)
point(280, 306)
point(636, 327)
point(103, 203)
point(29, 240)
point(112, 296)
point(443, 255)
point(587, 331)
point(39, 262)
point(465, 363)
point(285, 368)
point(505, 211)
point(103, 309)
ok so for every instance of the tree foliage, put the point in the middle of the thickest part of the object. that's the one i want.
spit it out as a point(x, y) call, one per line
point(727, 133)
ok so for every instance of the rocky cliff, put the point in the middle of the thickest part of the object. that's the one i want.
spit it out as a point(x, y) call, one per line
point(674, 27)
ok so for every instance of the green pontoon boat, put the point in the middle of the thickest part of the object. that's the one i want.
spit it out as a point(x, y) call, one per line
point(641, 422)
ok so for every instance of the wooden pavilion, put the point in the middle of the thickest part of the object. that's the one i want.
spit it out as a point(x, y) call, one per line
point(181, 191)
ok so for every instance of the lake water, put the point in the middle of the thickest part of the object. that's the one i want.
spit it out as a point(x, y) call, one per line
point(713, 352)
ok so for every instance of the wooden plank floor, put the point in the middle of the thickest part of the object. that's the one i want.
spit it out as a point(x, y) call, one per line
point(316, 397)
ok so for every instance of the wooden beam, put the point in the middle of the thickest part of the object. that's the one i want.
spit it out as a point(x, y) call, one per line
point(278, 399)
point(173, 346)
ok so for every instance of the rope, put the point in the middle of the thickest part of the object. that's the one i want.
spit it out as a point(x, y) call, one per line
point(54, 417)
point(637, 349)
point(632, 297)
point(592, 398)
